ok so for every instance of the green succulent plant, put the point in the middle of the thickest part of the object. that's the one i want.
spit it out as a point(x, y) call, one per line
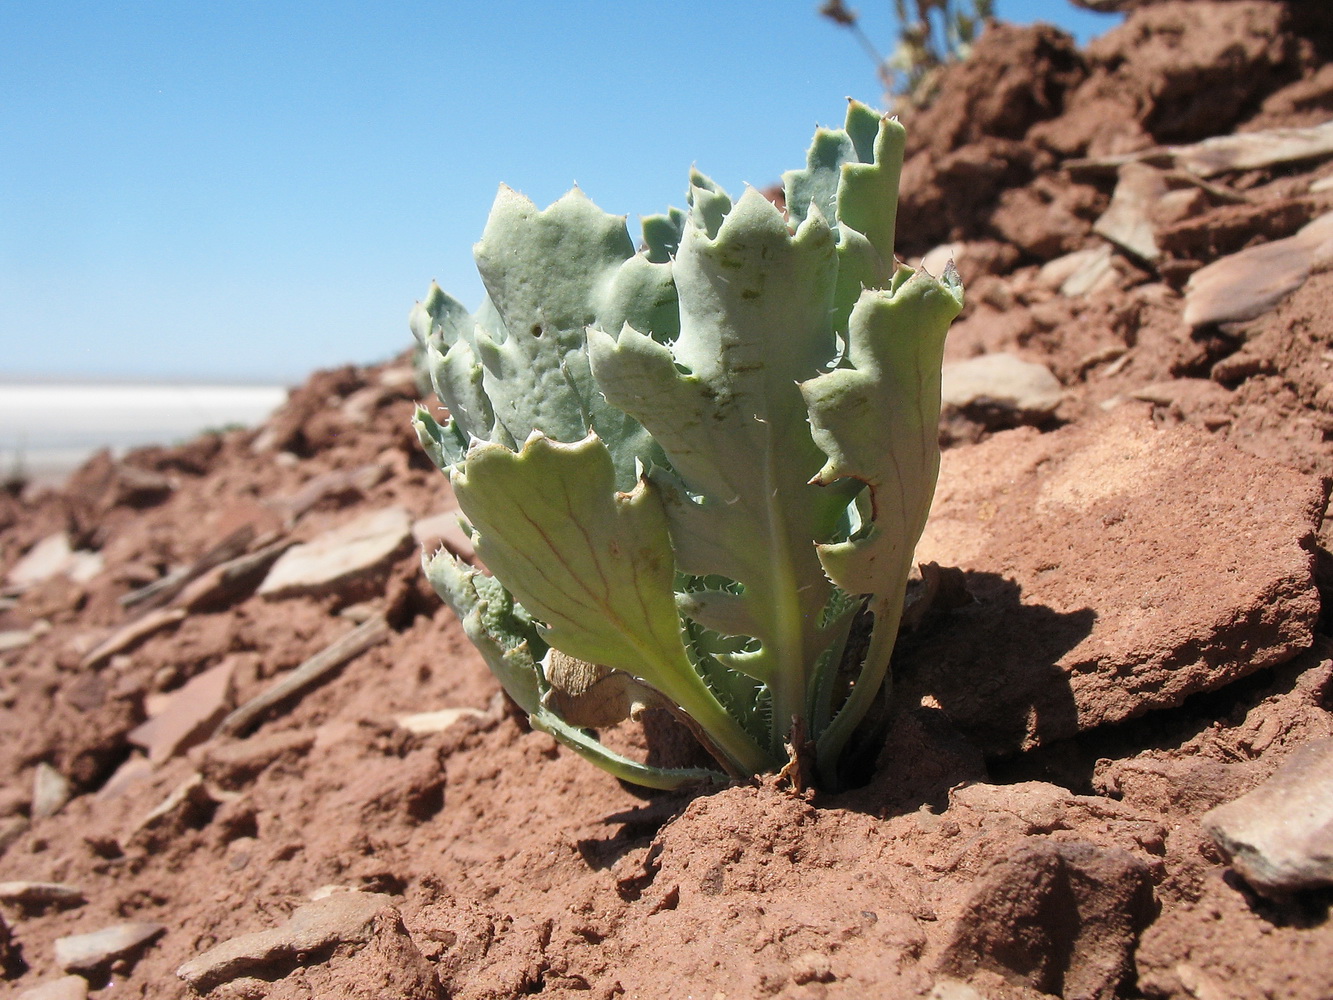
point(697, 471)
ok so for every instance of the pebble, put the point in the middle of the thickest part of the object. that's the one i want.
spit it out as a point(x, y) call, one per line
point(132, 634)
point(230, 581)
point(50, 791)
point(1076, 907)
point(92, 952)
point(15, 638)
point(953, 989)
point(190, 795)
point(1279, 836)
point(1254, 150)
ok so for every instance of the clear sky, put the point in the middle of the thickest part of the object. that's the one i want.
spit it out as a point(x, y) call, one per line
point(252, 189)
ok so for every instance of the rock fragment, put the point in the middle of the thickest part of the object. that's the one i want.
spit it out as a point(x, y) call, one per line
point(437, 721)
point(1255, 150)
point(1080, 273)
point(64, 988)
point(53, 556)
point(37, 895)
point(1060, 917)
point(343, 921)
point(189, 804)
point(1000, 390)
point(1114, 571)
point(230, 581)
point(341, 556)
point(1279, 836)
point(189, 715)
point(339, 487)
point(1127, 221)
point(16, 638)
point(232, 765)
point(90, 953)
point(50, 791)
point(1247, 284)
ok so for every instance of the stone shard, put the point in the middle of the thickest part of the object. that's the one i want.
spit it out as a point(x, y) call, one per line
point(1080, 273)
point(341, 556)
point(437, 721)
point(50, 557)
point(1023, 391)
point(1127, 221)
point(64, 988)
point(1114, 573)
point(1057, 916)
point(1249, 283)
point(29, 895)
point(1255, 150)
point(343, 922)
point(189, 715)
point(90, 953)
point(1279, 836)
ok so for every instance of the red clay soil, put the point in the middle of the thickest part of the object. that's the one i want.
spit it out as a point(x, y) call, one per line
point(1066, 859)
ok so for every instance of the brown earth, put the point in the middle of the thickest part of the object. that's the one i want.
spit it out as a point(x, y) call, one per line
point(1138, 638)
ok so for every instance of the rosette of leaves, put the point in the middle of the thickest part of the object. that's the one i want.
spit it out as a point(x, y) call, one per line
point(696, 472)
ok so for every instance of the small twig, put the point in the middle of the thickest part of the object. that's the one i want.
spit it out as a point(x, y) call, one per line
point(161, 591)
point(309, 674)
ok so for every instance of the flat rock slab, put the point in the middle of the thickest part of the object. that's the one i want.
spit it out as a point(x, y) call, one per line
point(341, 556)
point(1117, 569)
point(1279, 837)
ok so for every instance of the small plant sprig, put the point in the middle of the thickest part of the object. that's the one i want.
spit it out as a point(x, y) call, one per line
point(698, 471)
point(931, 35)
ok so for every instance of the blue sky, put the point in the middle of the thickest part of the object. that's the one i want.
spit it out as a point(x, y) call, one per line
point(252, 190)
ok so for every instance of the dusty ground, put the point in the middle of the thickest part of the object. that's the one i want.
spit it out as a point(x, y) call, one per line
point(1142, 638)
